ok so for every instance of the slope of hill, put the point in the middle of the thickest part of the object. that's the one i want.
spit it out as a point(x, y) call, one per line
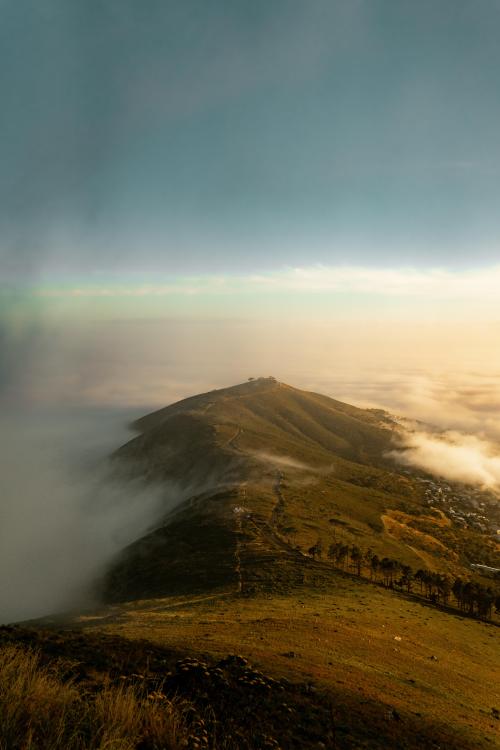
point(267, 472)
point(264, 413)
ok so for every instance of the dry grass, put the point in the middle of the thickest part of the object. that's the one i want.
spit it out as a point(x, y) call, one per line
point(443, 670)
point(39, 711)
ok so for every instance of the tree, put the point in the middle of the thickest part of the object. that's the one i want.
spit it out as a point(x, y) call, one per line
point(341, 553)
point(356, 558)
point(319, 547)
point(374, 566)
point(332, 550)
point(406, 577)
point(457, 590)
point(420, 576)
point(485, 599)
point(316, 550)
point(387, 568)
point(312, 551)
point(497, 603)
point(468, 596)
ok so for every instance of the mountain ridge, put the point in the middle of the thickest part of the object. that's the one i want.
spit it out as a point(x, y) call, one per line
point(265, 473)
point(294, 461)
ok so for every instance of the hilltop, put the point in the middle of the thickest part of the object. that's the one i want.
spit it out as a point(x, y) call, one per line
point(266, 414)
point(228, 426)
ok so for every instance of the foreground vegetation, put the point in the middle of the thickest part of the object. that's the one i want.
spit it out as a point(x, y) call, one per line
point(305, 677)
point(398, 671)
point(41, 709)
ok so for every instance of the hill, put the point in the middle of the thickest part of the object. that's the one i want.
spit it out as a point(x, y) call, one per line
point(265, 472)
point(233, 604)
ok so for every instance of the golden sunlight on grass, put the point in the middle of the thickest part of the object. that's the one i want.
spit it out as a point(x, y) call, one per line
point(38, 711)
point(353, 640)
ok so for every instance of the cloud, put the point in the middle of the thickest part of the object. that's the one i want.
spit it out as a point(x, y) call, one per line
point(452, 455)
point(433, 282)
point(285, 462)
point(147, 290)
point(65, 513)
point(436, 390)
point(430, 283)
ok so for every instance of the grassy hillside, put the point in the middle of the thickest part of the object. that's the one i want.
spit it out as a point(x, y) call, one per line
point(268, 471)
point(339, 662)
point(266, 414)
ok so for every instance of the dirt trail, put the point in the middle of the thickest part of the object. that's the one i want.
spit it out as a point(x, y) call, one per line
point(239, 511)
point(279, 508)
point(265, 532)
point(232, 440)
point(262, 537)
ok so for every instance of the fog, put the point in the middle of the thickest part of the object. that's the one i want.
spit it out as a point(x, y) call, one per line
point(452, 455)
point(281, 462)
point(69, 389)
point(64, 512)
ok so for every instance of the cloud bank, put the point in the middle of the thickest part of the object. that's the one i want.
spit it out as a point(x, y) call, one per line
point(64, 513)
point(452, 455)
point(428, 282)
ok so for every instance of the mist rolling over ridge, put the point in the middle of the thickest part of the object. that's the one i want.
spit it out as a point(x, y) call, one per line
point(65, 513)
point(452, 455)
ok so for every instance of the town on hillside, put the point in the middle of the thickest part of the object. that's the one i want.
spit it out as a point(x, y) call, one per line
point(466, 506)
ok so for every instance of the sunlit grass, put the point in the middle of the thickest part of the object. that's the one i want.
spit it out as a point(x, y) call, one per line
point(355, 639)
point(39, 711)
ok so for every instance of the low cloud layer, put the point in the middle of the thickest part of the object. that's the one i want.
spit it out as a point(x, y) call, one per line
point(281, 462)
point(452, 455)
point(72, 385)
point(64, 514)
point(467, 401)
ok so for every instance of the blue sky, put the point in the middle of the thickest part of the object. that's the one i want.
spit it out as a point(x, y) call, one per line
point(192, 138)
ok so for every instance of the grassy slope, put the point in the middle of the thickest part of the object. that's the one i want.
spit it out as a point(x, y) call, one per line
point(368, 647)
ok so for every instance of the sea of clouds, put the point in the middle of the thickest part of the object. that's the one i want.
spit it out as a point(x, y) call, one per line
point(69, 391)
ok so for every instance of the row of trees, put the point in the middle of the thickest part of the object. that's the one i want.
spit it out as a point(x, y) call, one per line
point(470, 596)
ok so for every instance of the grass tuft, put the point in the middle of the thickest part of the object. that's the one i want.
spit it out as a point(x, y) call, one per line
point(38, 711)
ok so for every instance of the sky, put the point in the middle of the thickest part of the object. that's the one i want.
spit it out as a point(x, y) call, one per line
point(180, 139)
point(259, 177)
